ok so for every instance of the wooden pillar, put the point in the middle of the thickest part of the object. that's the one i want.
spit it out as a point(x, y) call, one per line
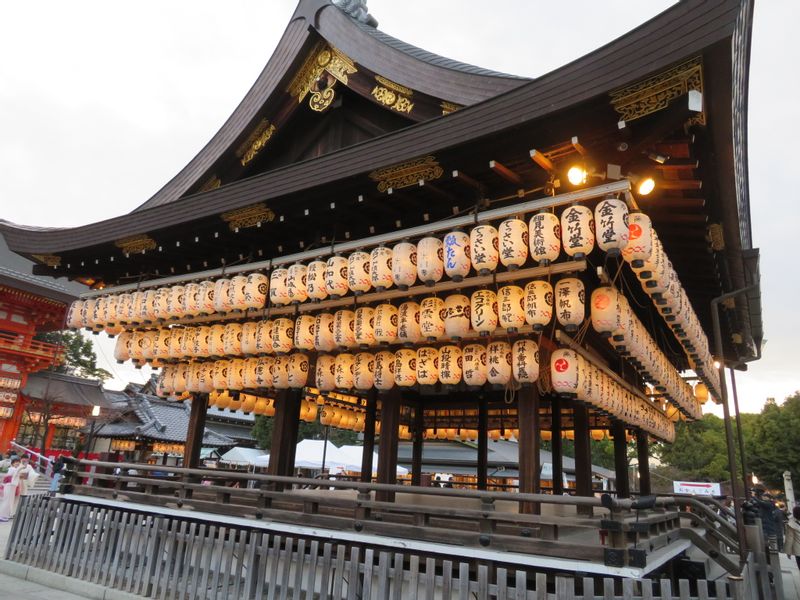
point(194, 435)
point(643, 452)
point(11, 426)
point(284, 433)
point(416, 450)
point(583, 455)
point(48, 438)
point(369, 437)
point(528, 423)
point(557, 447)
point(387, 445)
point(621, 459)
point(483, 443)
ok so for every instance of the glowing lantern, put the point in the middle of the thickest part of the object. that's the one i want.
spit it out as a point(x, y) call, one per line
point(577, 231)
point(248, 403)
point(249, 337)
point(282, 335)
point(564, 371)
point(264, 371)
point(200, 342)
point(315, 280)
point(385, 324)
point(384, 370)
point(343, 371)
point(237, 292)
point(701, 393)
point(498, 358)
point(408, 331)
point(538, 304)
point(278, 290)
point(365, 326)
point(297, 283)
point(344, 328)
point(221, 296)
point(456, 255)
point(358, 277)
point(484, 248)
point(546, 435)
point(207, 296)
point(513, 234)
point(122, 350)
point(261, 407)
point(264, 337)
point(474, 361)
point(570, 301)
point(511, 304)
point(606, 310)
point(336, 282)
point(640, 242)
point(298, 370)
point(404, 264)
point(255, 290)
point(216, 342)
point(323, 333)
point(430, 260)
point(450, 365)
point(250, 373)
point(181, 378)
point(431, 318)
point(280, 372)
point(304, 332)
point(232, 339)
point(427, 366)
point(380, 269)
point(525, 361)
point(110, 315)
point(74, 315)
point(161, 348)
point(456, 319)
point(611, 222)
point(236, 374)
point(131, 315)
point(187, 342)
point(192, 302)
point(544, 229)
point(219, 376)
point(175, 342)
point(364, 371)
point(483, 311)
point(405, 367)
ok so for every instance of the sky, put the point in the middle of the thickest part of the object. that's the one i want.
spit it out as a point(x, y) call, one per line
point(101, 103)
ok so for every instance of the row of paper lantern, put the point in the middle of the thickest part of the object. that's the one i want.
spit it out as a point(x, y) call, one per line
point(658, 278)
point(613, 318)
point(574, 376)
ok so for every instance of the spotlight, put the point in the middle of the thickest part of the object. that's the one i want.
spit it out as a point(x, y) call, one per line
point(577, 175)
point(644, 184)
point(717, 364)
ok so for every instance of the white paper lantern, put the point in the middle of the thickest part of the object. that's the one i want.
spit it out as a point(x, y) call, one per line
point(385, 324)
point(315, 280)
point(427, 365)
point(380, 269)
point(161, 348)
point(188, 341)
point(250, 373)
point(577, 231)
point(216, 342)
point(405, 367)
point(611, 223)
point(336, 281)
point(192, 305)
point(408, 330)
point(343, 371)
point(365, 326)
point(344, 329)
point(474, 361)
point(564, 371)
point(297, 283)
point(181, 376)
point(456, 320)
point(640, 242)
point(236, 374)
point(431, 318)
point(122, 347)
point(304, 332)
point(280, 372)
point(237, 292)
point(282, 335)
point(525, 361)
point(201, 342)
point(570, 303)
point(511, 307)
point(232, 340)
point(404, 264)
point(498, 359)
point(456, 255)
point(364, 371)
point(264, 371)
point(513, 234)
point(358, 277)
point(606, 311)
point(74, 315)
point(110, 315)
point(544, 230)
point(207, 289)
point(249, 338)
point(256, 289)
point(219, 376)
point(483, 311)
point(384, 370)
point(123, 308)
point(450, 365)
point(323, 333)
point(484, 248)
point(430, 260)
point(298, 370)
point(264, 337)
point(538, 304)
point(278, 289)
point(175, 342)
point(221, 297)
point(131, 314)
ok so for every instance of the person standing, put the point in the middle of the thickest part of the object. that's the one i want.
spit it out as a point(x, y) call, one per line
point(791, 541)
point(27, 476)
point(8, 503)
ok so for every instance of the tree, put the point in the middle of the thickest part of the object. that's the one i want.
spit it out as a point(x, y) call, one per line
point(699, 451)
point(80, 358)
point(774, 441)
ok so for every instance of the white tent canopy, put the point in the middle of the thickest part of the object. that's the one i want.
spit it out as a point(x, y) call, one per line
point(242, 456)
point(309, 456)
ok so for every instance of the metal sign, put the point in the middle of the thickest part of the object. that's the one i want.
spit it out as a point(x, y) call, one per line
point(696, 488)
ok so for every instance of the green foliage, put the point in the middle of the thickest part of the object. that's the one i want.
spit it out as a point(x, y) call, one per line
point(699, 452)
point(773, 441)
point(80, 358)
point(262, 432)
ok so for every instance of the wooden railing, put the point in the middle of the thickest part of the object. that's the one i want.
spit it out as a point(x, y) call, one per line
point(22, 344)
point(40, 462)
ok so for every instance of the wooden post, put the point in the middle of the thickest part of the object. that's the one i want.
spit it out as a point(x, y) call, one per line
point(528, 422)
point(369, 437)
point(387, 445)
point(416, 451)
point(583, 455)
point(483, 443)
point(557, 447)
point(284, 433)
point(621, 459)
point(643, 452)
point(194, 435)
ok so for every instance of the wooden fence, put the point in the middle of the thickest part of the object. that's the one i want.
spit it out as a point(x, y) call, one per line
point(168, 557)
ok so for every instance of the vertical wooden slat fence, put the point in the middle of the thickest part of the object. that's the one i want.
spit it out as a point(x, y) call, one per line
point(166, 557)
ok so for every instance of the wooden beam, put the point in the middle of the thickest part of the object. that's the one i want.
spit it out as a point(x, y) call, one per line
point(679, 184)
point(194, 434)
point(578, 146)
point(369, 437)
point(643, 452)
point(541, 160)
point(506, 173)
point(483, 443)
point(387, 446)
point(528, 423)
point(583, 455)
point(470, 181)
point(677, 164)
point(621, 459)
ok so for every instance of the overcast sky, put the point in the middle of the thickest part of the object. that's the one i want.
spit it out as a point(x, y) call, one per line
point(101, 103)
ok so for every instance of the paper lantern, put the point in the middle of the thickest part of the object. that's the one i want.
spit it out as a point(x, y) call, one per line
point(264, 337)
point(236, 374)
point(237, 290)
point(148, 308)
point(513, 234)
point(216, 342)
point(427, 365)
point(380, 269)
point(282, 335)
point(323, 333)
point(192, 301)
point(525, 361)
point(298, 370)
point(364, 371)
point(131, 310)
point(456, 319)
point(187, 342)
point(538, 304)
point(336, 281)
point(405, 367)
point(161, 347)
point(207, 289)
point(261, 406)
point(484, 248)
point(175, 342)
point(408, 330)
point(431, 318)
point(365, 326)
point(450, 365)
point(404, 264)
point(564, 372)
point(181, 378)
point(483, 311)
point(498, 363)
point(221, 296)
point(430, 260)
point(232, 339)
point(344, 329)
point(611, 223)
point(201, 342)
point(544, 230)
point(577, 231)
point(640, 240)
point(278, 289)
point(249, 337)
point(264, 371)
point(123, 308)
point(110, 315)
point(384, 370)
point(456, 255)
point(605, 307)
point(358, 277)
point(343, 371)
point(112, 330)
point(248, 403)
point(474, 364)
point(280, 372)
point(122, 350)
point(511, 305)
point(385, 324)
point(74, 315)
point(570, 303)
point(297, 283)
point(250, 373)
point(304, 332)
point(315, 280)
point(701, 393)
point(219, 375)
point(255, 290)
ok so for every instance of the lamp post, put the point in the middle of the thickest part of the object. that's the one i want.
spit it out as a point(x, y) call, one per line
point(90, 438)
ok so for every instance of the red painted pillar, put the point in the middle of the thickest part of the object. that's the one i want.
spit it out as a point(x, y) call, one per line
point(48, 438)
point(11, 426)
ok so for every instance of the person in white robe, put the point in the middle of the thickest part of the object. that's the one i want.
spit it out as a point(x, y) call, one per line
point(27, 476)
point(10, 485)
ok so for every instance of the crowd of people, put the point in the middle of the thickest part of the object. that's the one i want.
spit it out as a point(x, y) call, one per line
point(19, 477)
point(780, 526)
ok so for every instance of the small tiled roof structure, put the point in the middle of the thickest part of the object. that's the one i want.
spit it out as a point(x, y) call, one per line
point(67, 389)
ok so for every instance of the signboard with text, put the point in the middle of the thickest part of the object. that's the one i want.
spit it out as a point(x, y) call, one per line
point(697, 488)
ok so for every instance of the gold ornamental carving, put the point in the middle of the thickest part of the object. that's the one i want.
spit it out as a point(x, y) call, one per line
point(51, 260)
point(255, 142)
point(324, 66)
point(408, 173)
point(249, 216)
point(211, 184)
point(655, 93)
point(448, 107)
point(393, 95)
point(136, 243)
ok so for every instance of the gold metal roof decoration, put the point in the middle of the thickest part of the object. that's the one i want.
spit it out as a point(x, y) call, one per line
point(655, 93)
point(407, 173)
point(249, 216)
point(213, 183)
point(391, 94)
point(136, 243)
point(51, 260)
point(448, 107)
point(324, 66)
point(254, 143)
